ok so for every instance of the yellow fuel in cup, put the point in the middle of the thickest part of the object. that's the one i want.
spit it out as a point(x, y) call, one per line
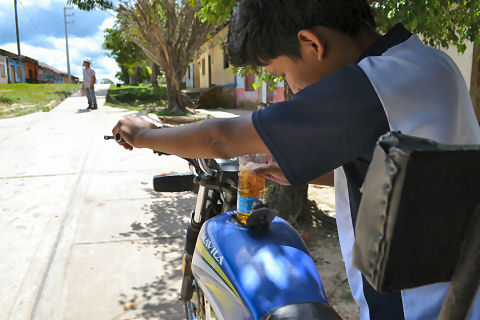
point(250, 187)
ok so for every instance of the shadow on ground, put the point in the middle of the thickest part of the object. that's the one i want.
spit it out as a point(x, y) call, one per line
point(169, 217)
point(319, 231)
point(165, 231)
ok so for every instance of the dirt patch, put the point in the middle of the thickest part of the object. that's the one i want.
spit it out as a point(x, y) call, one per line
point(319, 231)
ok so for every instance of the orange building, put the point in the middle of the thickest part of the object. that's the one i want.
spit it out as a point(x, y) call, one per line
point(31, 69)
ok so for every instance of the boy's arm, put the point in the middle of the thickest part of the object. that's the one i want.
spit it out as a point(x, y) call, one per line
point(214, 138)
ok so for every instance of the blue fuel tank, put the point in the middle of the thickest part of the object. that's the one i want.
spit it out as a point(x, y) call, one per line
point(246, 273)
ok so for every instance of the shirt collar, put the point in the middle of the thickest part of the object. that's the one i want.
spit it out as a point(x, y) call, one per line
point(396, 35)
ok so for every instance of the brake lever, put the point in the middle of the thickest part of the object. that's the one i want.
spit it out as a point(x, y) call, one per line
point(117, 138)
point(120, 140)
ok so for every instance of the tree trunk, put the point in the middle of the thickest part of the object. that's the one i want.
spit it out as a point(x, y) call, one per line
point(136, 76)
point(154, 76)
point(475, 82)
point(174, 96)
point(290, 202)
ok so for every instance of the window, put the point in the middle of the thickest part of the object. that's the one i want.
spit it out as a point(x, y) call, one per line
point(188, 73)
point(2, 71)
point(203, 66)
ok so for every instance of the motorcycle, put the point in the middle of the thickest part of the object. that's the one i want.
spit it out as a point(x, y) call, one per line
point(233, 271)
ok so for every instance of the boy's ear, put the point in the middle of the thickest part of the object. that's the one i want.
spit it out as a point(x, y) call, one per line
point(312, 42)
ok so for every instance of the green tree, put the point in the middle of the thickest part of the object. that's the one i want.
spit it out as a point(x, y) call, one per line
point(167, 31)
point(129, 57)
point(440, 22)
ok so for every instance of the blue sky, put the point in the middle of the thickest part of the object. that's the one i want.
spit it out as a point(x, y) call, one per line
point(42, 35)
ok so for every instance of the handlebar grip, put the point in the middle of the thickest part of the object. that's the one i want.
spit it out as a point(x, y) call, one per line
point(119, 138)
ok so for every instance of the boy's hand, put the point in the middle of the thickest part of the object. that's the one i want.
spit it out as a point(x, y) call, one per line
point(272, 171)
point(130, 128)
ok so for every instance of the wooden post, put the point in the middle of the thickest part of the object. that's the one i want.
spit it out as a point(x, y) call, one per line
point(466, 277)
point(475, 80)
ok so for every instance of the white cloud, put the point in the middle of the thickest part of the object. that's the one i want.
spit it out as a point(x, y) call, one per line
point(108, 23)
point(53, 52)
point(7, 7)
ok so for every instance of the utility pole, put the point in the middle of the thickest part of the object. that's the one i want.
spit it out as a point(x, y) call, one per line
point(18, 46)
point(65, 15)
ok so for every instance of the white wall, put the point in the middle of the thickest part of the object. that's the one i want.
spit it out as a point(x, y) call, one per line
point(3, 66)
point(463, 61)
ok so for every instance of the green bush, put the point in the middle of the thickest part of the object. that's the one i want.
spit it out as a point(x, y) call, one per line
point(9, 100)
point(144, 93)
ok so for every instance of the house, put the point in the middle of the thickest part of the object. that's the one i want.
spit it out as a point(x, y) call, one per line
point(16, 71)
point(11, 71)
point(248, 96)
point(3, 70)
point(48, 74)
point(211, 69)
point(31, 70)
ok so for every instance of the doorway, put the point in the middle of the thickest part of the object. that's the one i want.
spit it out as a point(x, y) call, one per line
point(209, 71)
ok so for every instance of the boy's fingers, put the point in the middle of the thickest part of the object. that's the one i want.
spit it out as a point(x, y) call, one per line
point(272, 172)
point(268, 169)
point(279, 181)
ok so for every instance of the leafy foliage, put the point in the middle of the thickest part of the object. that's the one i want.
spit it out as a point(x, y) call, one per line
point(88, 5)
point(125, 52)
point(217, 11)
point(441, 22)
point(143, 93)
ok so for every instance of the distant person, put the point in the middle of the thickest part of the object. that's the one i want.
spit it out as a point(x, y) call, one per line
point(89, 83)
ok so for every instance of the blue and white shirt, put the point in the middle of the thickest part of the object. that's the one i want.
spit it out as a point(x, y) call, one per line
point(399, 84)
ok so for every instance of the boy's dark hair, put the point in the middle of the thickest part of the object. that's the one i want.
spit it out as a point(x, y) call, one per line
point(261, 30)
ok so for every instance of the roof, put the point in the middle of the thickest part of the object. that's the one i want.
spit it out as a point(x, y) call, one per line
point(46, 66)
point(9, 54)
point(52, 69)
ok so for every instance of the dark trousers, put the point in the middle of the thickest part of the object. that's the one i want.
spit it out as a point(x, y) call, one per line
point(92, 100)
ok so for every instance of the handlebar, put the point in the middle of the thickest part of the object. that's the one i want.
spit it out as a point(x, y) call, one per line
point(202, 163)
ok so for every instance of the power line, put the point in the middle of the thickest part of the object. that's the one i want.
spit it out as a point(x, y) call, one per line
point(28, 16)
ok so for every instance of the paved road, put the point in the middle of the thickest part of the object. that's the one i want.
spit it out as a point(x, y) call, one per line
point(82, 234)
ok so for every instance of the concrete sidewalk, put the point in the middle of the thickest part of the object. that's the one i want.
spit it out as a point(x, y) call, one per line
point(82, 233)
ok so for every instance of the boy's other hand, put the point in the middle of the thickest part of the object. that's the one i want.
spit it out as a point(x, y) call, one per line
point(130, 128)
point(271, 171)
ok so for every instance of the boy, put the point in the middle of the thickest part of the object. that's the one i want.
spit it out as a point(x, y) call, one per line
point(89, 83)
point(351, 86)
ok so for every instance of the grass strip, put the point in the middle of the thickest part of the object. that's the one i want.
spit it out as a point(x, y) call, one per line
point(19, 99)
